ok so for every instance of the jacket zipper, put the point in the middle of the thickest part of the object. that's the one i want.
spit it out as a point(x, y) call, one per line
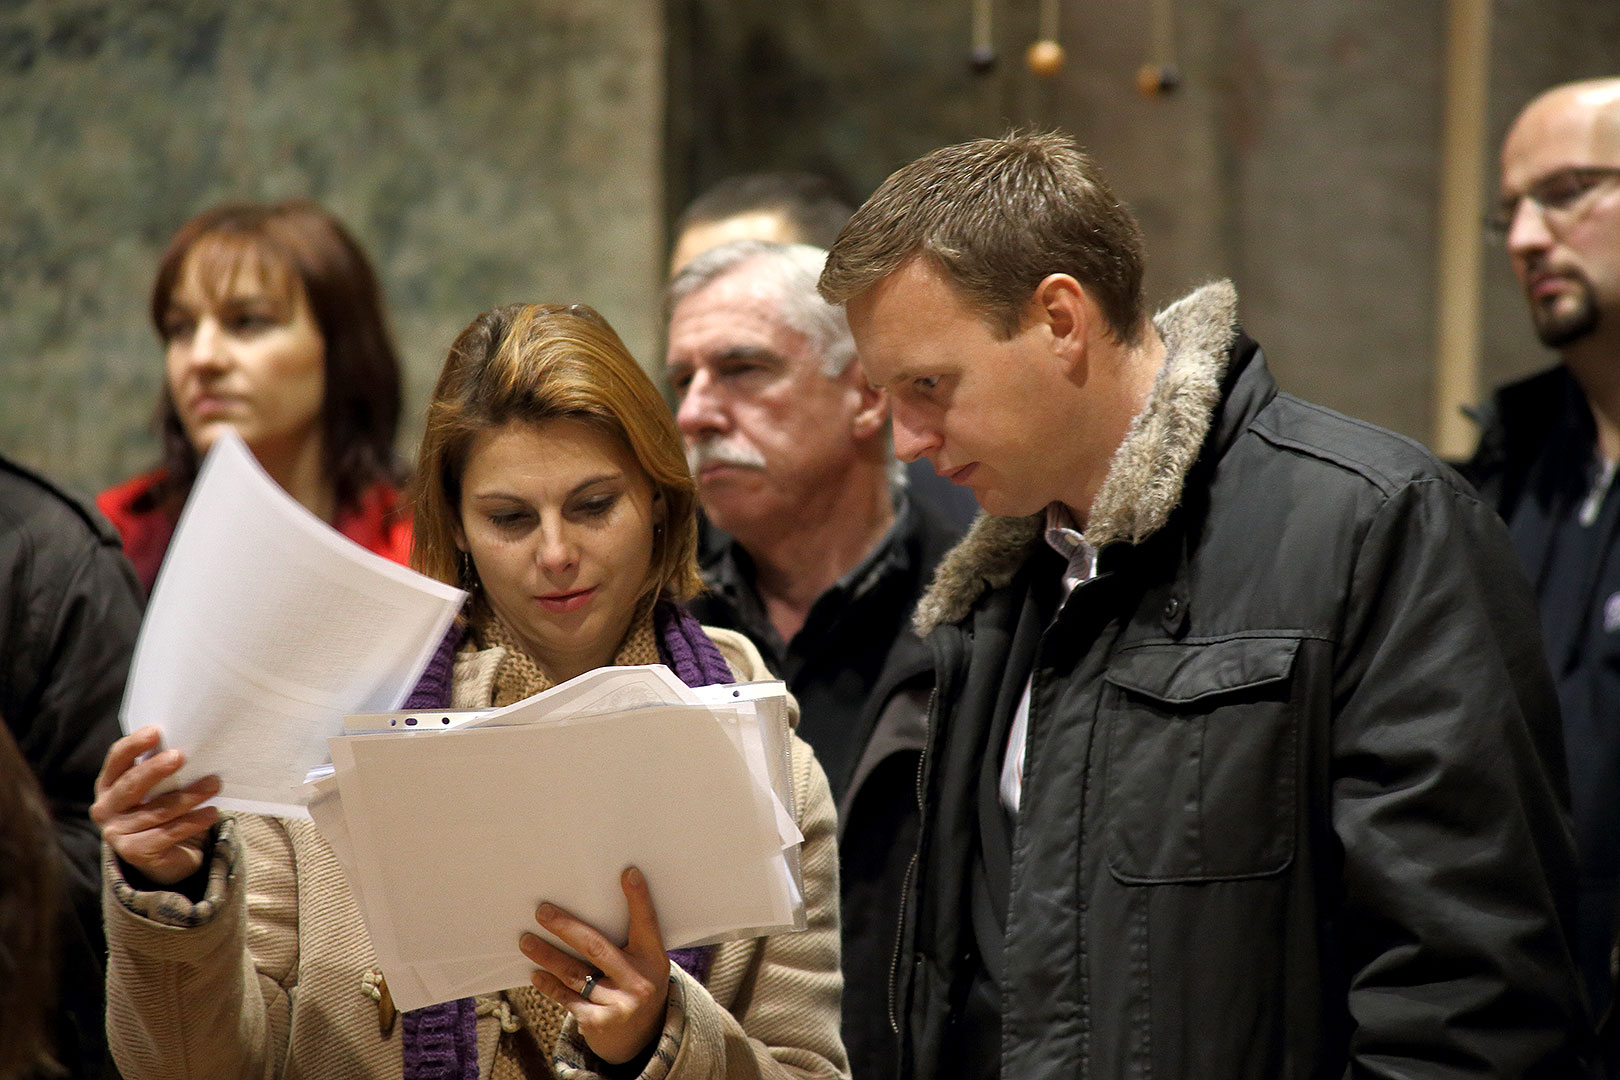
point(911, 869)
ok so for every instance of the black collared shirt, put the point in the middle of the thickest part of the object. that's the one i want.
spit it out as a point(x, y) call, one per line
point(834, 663)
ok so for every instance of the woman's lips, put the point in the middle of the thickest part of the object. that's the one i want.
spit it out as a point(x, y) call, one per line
point(566, 601)
point(210, 406)
point(960, 476)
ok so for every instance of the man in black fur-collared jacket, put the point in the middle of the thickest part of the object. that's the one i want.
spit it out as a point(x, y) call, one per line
point(1244, 760)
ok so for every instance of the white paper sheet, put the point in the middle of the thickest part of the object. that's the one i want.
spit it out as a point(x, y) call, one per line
point(265, 627)
point(602, 690)
point(457, 836)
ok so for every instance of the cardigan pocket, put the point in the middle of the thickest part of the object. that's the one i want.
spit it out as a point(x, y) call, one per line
point(1202, 744)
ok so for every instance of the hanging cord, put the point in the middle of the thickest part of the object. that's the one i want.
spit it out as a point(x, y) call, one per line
point(1045, 57)
point(1160, 75)
point(983, 56)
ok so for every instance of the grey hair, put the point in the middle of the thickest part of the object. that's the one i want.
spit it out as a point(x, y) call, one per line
point(790, 271)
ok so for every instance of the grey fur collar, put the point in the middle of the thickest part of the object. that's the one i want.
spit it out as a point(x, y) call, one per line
point(1145, 479)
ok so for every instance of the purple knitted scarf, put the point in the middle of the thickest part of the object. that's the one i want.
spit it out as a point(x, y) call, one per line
point(440, 1042)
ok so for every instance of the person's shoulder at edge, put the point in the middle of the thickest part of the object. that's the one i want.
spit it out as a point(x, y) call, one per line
point(19, 479)
point(1382, 457)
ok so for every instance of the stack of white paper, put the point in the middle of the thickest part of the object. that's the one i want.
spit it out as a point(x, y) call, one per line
point(453, 834)
point(266, 627)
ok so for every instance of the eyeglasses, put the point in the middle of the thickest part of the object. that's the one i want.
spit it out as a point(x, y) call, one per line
point(1560, 196)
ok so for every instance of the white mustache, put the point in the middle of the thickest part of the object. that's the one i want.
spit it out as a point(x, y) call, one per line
point(716, 451)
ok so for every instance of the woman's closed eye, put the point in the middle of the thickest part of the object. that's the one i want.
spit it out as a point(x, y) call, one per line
point(509, 520)
point(594, 506)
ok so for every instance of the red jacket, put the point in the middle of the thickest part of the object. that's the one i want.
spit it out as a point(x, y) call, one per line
point(379, 523)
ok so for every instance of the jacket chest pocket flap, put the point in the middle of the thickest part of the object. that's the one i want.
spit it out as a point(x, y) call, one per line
point(1200, 775)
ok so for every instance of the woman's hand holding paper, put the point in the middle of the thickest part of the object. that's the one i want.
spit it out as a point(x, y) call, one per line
point(161, 837)
point(624, 1011)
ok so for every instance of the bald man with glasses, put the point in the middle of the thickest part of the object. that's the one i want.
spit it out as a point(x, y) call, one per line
point(1548, 451)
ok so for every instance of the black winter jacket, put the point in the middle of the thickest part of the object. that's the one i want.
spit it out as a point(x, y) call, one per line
point(1292, 801)
point(69, 611)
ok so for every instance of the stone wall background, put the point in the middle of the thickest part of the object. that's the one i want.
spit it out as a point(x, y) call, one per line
point(482, 152)
point(493, 150)
point(1300, 157)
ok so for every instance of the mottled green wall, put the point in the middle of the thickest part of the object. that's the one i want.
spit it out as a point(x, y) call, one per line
point(483, 152)
point(515, 149)
point(1300, 157)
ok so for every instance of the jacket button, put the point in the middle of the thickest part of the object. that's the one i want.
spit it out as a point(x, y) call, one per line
point(1175, 616)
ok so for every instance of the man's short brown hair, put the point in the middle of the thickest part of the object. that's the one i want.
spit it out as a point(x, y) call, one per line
point(997, 216)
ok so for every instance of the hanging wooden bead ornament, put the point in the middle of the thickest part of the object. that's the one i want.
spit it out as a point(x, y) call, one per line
point(983, 56)
point(1160, 75)
point(1045, 57)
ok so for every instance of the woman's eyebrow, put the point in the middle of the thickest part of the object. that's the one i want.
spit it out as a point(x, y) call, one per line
point(594, 480)
point(590, 481)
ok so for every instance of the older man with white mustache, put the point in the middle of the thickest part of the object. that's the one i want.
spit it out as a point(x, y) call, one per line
point(825, 559)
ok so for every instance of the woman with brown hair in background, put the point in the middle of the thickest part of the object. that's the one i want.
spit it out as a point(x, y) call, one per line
point(272, 325)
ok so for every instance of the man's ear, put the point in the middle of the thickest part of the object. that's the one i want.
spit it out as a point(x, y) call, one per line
point(872, 408)
point(1063, 305)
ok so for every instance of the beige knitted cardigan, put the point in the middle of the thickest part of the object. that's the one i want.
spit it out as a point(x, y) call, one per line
point(272, 974)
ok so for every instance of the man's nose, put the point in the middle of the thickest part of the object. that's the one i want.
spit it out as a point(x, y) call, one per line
point(1527, 229)
point(911, 439)
point(700, 411)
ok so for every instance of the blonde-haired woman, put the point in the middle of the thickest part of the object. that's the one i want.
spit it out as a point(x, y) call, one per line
point(551, 483)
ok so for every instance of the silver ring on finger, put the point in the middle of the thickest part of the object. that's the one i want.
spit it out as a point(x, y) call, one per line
point(590, 984)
